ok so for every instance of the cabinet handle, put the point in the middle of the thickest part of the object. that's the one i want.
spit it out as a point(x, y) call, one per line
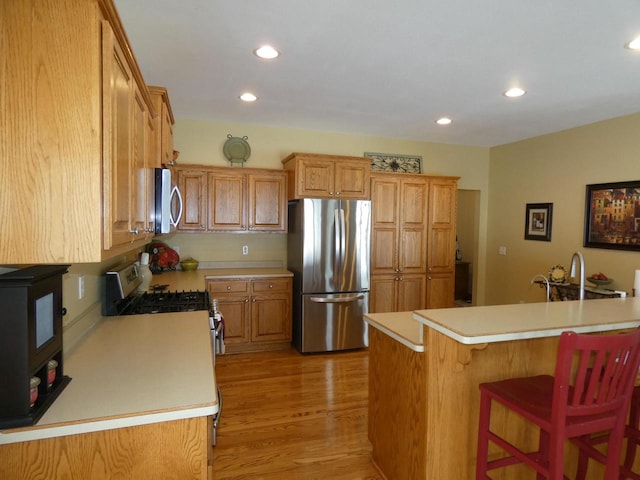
point(228, 287)
point(135, 231)
point(429, 278)
point(246, 300)
point(270, 285)
point(401, 279)
point(253, 300)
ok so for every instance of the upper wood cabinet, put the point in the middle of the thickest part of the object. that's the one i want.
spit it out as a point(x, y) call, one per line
point(412, 241)
point(327, 176)
point(75, 107)
point(164, 126)
point(228, 199)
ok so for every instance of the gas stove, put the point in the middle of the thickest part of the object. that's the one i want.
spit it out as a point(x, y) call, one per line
point(122, 298)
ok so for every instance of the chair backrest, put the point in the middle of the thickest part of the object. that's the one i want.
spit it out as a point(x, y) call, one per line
point(595, 373)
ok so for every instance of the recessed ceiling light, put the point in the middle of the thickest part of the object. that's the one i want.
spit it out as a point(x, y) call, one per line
point(267, 52)
point(444, 121)
point(634, 44)
point(248, 97)
point(514, 92)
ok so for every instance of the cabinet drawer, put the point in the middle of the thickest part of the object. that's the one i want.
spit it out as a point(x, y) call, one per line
point(269, 285)
point(228, 286)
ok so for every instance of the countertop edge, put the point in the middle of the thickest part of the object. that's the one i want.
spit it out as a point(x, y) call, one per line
point(61, 430)
point(393, 334)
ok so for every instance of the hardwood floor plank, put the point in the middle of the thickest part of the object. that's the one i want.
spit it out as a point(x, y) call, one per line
point(287, 415)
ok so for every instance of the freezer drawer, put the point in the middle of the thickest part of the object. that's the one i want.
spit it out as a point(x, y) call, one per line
point(333, 321)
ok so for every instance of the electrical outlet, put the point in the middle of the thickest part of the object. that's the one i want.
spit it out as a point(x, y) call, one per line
point(177, 249)
point(80, 287)
point(502, 250)
point(245, 249)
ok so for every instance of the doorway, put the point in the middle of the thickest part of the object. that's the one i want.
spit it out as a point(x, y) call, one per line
point(468, 221)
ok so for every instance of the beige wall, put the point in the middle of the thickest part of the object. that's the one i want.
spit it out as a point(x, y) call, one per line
point(201, 142)
point(555, 168)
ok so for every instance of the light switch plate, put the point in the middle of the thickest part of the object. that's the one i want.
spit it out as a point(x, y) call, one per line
point(502, 250)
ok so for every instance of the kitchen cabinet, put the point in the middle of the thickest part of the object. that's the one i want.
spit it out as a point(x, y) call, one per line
point(228, 199)
point(441, 257)
point(397, 293)
point(413, 230)
point(327, 176)
point(164, 126)
point(75, 108)
point(257, 311)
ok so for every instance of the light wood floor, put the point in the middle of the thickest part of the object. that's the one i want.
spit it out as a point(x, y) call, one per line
point(293, 416)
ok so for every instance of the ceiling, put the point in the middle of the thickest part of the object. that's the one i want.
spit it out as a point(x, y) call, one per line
point(391, 69)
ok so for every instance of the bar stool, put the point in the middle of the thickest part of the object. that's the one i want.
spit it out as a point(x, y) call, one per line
point(632, 434)
point(572, 403)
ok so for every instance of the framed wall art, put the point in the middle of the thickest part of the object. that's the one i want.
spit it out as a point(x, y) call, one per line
point(388, 162)
point(538, 221)
point(612, 216)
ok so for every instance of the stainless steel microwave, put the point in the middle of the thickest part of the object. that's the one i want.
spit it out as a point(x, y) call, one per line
point(168, 200)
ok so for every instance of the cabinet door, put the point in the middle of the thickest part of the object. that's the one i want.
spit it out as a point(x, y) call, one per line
point(271, 318)
point(227, 203)
point(412, 292)
point(166, 154)
point(385, 194)
point(267, 202)
point(271, 310)
point(440, 290)
point(140, 172)
point(315, 178)
point(236, 311)
point(352, 179)
point(382, 297)
point(193, 187)
point(413, 226)
point(442, 223)
point(150, 174)
point(117, 114)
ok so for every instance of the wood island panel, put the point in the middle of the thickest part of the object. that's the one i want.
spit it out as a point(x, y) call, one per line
point(397, 376)
point(169, 450)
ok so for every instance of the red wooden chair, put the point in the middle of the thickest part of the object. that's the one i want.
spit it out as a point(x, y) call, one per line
point(632, 433)
point(573, 403)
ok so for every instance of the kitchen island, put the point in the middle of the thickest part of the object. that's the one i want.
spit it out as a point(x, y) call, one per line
point(424, 405)
point(139, 406)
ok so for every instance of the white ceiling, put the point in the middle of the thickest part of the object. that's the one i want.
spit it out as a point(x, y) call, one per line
point(391, 68)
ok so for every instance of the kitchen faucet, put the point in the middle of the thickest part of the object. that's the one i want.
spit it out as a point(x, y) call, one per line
point(580, 259)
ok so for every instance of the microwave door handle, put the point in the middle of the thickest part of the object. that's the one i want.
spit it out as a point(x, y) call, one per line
point(175, 191)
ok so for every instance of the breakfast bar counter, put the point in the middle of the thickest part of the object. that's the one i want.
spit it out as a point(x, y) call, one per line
point(424, 406)
point(140, 401)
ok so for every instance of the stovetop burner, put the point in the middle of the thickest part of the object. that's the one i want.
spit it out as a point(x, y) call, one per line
point(165, 302)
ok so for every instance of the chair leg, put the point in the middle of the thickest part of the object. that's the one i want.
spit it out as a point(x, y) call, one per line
point(583, 464)
point(556, 457)
point(632, 441)
point(543, 449)
point(483, 438)
point(614, 449)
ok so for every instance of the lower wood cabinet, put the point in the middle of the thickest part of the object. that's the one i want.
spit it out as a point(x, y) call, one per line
point(256, 311)
point(440, 290)
point(397, 293)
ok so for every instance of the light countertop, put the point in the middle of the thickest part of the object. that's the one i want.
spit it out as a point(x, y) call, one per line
point(195, 280)
point(401, 326)
point(132, 370)
point(473, 325)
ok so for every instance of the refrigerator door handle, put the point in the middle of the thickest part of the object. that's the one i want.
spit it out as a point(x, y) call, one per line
point(343, 238)
point(337, 254)
point(350, 298)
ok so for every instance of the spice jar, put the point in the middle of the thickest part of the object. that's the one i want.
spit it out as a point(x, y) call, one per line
point(34, 382)
point(51, 372)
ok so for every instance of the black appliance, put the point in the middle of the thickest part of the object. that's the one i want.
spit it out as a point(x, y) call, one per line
point(31, 377)
point(122, 298)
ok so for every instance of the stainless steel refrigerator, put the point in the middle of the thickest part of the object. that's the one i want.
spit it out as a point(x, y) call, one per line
point(328, 253)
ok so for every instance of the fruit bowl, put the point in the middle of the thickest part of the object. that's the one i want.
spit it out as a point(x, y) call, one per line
point(189, 264)
point(599, 283)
